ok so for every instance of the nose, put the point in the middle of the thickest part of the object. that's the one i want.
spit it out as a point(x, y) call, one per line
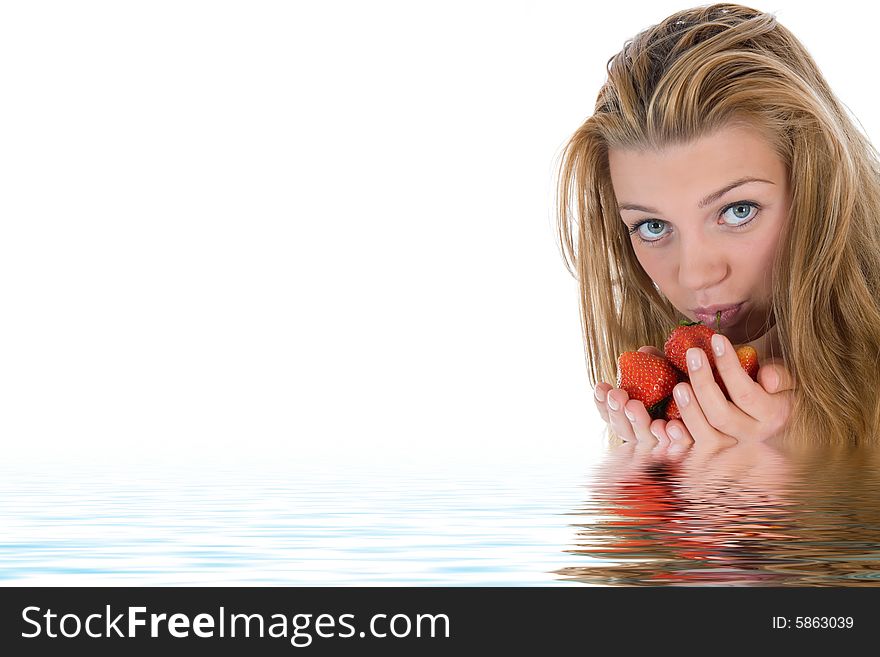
point(701, 264)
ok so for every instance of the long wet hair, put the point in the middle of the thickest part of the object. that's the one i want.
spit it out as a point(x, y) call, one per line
point(698, 71)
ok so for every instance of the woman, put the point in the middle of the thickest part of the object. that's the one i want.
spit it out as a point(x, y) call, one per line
point(720, 174)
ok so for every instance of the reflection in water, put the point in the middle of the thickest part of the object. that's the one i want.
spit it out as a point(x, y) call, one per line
point(753, 516)
point(746, 515)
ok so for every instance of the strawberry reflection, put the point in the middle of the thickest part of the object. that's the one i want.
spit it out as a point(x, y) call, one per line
point(744, 514)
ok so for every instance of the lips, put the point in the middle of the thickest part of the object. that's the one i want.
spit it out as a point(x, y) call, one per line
point(728, 315)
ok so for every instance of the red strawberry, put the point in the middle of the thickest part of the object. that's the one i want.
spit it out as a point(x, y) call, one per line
point(697, 334)
point(646, 377)
point(685, 336)
point(748, 358)
point(688, 335)
point(672, 412)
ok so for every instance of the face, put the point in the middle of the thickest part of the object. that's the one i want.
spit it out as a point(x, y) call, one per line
point(706, 244)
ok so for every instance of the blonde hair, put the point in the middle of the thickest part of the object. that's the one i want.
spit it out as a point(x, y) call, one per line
point(697, 71)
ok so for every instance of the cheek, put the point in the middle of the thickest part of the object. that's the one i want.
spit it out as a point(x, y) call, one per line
point(756, 259)
point(760, 252)
point(660, 270)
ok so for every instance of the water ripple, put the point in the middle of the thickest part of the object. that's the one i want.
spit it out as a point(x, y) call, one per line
point(756, 516)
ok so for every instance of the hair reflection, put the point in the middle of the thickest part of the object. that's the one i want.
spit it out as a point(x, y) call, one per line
point(745, 515)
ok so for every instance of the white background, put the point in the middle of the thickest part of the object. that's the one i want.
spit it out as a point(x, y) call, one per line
point(309, 231)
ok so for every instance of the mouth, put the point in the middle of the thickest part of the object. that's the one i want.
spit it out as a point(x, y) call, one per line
point(728, 317)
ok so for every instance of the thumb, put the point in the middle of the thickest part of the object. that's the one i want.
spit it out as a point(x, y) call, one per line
point(775, 377)
point(651, 350)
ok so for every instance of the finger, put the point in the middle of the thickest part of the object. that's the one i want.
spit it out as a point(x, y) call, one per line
point(600, 394)
point(678, 448)
point(692, 415)
point(617, 399)
point(683, 441)
point(779, 404)
point(652, 350)
point(768, 410)
point(679, 437)
point(678, 433)
point(747, 395)
point(720, 413)
point(658, 430)
point(640, 420)
point(775, 377)
point(769, 379)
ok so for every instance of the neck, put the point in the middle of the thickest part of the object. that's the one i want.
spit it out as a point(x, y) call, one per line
point(767, 345)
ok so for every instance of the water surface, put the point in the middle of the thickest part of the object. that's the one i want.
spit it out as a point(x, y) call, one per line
point(749, 515)
point(755, 516)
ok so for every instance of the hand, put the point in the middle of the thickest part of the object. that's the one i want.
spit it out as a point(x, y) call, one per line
point(614, 404)
point(756, 411)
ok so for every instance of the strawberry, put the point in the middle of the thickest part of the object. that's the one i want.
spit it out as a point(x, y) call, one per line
point(672, 412)
point(748, 358)
point(697, 334)
point(688, 335)
point(685, 336)
point(646, 377)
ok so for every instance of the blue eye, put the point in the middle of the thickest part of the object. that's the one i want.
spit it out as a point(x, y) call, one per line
point(655, 227)
point(742, 211)
point(748, 207)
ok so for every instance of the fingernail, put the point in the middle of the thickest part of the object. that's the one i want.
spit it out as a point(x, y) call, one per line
point(674, 432)
point(695, 358)
point(718, 344)
point(599, 395)
point(655, 434)
point(681, 396)
point(632, 418)
point(773, 380)
point(612, 403)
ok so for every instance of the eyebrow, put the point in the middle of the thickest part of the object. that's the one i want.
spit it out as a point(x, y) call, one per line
point(714, 196)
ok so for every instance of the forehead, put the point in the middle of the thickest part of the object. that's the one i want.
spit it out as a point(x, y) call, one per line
point(700, 166)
